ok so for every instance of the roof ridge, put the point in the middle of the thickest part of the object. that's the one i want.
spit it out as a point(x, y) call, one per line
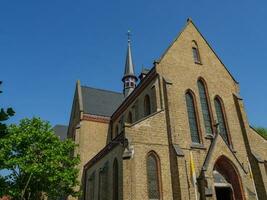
point(85, 86)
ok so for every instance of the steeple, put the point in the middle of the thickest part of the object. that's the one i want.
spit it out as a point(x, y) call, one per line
point(129, 79)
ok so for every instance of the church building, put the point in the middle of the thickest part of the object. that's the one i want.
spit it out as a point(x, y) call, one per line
point(178, 131)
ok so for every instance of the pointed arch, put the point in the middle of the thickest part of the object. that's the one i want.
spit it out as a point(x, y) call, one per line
point(193, 118)
point(153, 176)
point(115, 180)
point(221, 119)
point(147, 105)
point(116, 131)
point(226, 172)
point(130, 117)
point(195, 51)
point(205, 106)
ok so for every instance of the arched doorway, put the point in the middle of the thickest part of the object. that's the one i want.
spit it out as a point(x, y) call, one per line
point(227, 182)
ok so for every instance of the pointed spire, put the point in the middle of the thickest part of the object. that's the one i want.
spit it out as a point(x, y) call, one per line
point(129, 77)
point(129, 67)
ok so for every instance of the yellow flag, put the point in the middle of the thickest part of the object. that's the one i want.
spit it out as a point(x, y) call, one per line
point(193, 173)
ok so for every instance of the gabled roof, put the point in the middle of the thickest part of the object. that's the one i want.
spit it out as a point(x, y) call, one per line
point(61, 131)
point(100, 102)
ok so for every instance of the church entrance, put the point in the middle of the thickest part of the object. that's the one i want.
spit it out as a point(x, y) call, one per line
point(224, 193)
point(227, 182)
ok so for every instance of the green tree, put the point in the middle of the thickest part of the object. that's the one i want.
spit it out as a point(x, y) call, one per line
point(38, 161)
point(262, 131)
point(4, 115)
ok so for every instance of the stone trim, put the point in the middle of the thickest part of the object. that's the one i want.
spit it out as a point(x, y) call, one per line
point(96, 118)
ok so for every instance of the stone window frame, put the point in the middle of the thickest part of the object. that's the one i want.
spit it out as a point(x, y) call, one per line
point(191, 93)
point(130, 117)
point(158, 165)
point(91, 186)
point(206, 90)
point(103, 179)
point(196, 53)
point(220, 100)
point(147, 105)
point(115, 186)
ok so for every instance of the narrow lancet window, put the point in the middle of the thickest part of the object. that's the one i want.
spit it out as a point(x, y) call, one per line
point(195, 52)
point(153, 177)
point(221, 119)
point(130, 118)
point(192, 118)
point(147, 106)
point(205, 107)
point(115, 180)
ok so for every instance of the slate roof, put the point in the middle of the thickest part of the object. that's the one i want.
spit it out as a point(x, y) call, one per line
point(61, 131)
point(100, 102)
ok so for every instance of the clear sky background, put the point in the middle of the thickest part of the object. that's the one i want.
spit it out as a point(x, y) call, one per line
point(45, 46)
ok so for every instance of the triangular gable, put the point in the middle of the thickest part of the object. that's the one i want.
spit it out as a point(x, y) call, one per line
point(218, 148)
point(189, 21)
point(77, 107)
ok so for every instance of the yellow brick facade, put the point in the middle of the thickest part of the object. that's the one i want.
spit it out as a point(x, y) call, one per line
point(167, 129)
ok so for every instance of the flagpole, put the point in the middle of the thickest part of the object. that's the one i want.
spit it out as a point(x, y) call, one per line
point(193, 172)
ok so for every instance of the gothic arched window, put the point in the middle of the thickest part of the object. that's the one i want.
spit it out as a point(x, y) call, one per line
point(192, 117)
point(153, 176)
point(103, 182)
point(116, 131)
point(147, 106)
point(115, 180)
point(205, 106)
point(91, 187)
point(221, 119)
point(195, 52)
point(130, 117)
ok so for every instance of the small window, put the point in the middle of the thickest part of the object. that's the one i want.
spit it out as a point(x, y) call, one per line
point(196, 54)
point(116, 131)
point(130, 118)
point(192, 117)
point(147, 106)
point(127, 84)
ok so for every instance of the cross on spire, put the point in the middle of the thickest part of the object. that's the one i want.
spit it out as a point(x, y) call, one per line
point(129, 35)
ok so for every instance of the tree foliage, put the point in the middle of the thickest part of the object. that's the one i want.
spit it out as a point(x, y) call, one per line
point(5, 114)
point(262, 131)
point(38, 161)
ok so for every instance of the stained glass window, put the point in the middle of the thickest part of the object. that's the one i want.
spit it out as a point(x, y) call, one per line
point(205, 107)
point(153, 177)
point(192, 118)
point(221, 119)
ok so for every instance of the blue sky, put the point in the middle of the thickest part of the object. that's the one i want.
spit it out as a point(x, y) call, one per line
point(45, 46)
